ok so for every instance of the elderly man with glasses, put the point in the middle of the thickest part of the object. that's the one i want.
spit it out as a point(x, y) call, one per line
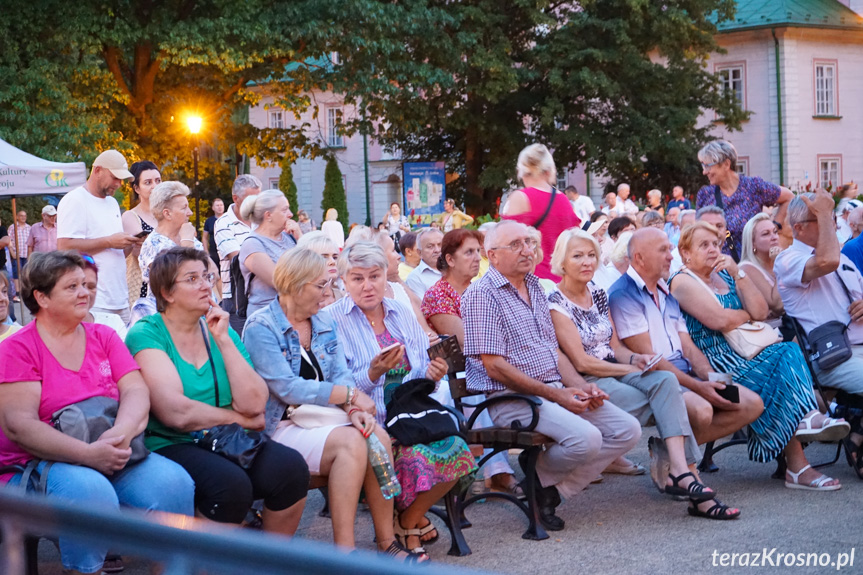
point(511, 346)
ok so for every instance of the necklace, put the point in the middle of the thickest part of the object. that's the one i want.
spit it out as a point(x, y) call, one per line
point(373, 321)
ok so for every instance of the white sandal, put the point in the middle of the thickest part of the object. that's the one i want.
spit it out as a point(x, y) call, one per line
point(830, 429)
point(814, 485)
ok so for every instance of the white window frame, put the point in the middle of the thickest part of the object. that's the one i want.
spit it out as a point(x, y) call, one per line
point(561, 180)
point(743, 165)
point(732, 76)
point(829, 170)
point(825, 78)
point(335, 115)
point(276, 118)
point(274, 183)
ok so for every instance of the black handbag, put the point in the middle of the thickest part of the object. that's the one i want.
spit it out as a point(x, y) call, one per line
point(230, 441)
point(414, 417)
point(829, 341)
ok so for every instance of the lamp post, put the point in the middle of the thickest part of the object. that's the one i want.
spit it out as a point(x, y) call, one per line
point(194, 123)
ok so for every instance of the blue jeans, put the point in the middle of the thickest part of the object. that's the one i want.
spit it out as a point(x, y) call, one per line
point(155, 484)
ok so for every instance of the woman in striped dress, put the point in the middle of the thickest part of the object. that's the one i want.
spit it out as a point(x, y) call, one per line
point(717, 297)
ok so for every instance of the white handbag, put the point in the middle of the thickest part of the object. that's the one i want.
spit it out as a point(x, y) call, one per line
point(748, 339)
point(309, 416)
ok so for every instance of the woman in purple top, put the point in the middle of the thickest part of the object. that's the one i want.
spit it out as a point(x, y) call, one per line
point(537, 171)
point(741, 196)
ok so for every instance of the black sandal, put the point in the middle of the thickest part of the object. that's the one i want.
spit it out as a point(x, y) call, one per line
point(696, 491)
point(718, 511)
point(395, 548)
point(854, 455)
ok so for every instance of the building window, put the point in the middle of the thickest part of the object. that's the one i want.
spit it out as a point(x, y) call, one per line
point(829, 171)
point(561, 180)
point(334, 122)
point(274, 183)
point(733, 80)
point(743, 166)
point(826, 85)
point(277, 119)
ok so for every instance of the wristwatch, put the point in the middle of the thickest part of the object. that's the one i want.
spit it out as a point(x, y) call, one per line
point(740, 274)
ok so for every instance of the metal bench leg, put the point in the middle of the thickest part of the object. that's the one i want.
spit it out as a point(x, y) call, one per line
point(535, 530)
point(453, 515)
point(706, 465)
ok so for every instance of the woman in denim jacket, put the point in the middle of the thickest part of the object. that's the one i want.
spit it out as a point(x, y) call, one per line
point(294, 347)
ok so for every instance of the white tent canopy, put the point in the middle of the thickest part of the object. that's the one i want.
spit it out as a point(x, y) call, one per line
point(23, 174)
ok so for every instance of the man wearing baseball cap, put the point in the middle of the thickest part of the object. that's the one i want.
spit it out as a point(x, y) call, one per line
point(88, 220)
point(43, 235)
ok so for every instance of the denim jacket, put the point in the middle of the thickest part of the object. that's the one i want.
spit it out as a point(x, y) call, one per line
point(274, 347)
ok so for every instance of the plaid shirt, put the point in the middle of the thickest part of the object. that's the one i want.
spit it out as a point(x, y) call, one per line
point(23, 236)
point(497, 321)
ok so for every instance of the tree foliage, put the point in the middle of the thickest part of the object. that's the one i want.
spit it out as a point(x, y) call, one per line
point(617, 85)
point(334, 193)
point(287, 185)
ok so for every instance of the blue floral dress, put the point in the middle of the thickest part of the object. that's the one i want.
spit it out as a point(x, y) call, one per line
point(778, 375)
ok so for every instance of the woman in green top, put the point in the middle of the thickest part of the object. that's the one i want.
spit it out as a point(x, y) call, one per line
point(179, 370)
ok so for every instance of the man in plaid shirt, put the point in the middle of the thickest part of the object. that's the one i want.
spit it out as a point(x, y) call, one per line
point(511, 346)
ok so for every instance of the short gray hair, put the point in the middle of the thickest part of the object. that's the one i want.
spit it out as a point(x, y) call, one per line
point(709, 210)
point(491, 234)
point(654, 193)
point(243, 184)
point(426, 232)
point(362, 255)
point(718, 151)
point(254, 208)
point(683, 214)
point(649, 217)
point(317, 241)
point(163, 194)
point(798, 210)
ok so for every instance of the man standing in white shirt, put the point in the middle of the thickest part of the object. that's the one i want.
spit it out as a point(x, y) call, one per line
point(88, 220)
point(625, 205)
point(230, 232)
point(426, 273)
point(581, 205)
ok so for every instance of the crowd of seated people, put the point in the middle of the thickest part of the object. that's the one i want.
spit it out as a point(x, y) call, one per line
point(609, 348)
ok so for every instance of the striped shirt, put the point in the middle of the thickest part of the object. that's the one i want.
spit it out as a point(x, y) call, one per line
point(358, 338)
point(497, 321)
point(230, 233)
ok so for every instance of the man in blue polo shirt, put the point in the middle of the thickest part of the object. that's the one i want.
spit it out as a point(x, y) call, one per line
point(648, 320)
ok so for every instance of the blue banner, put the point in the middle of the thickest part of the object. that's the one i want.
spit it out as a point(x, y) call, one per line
point(424, 189)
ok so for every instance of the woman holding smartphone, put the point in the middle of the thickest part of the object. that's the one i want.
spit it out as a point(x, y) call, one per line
point(586, 335)
point(385, 347)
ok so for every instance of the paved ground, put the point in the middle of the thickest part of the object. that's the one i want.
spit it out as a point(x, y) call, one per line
point(625, 526)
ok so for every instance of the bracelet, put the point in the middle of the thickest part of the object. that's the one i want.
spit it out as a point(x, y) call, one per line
point(187, 240)
point(353, 409)
point(349, 396)
point(630, 358)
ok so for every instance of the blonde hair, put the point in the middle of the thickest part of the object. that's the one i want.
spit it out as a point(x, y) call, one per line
point(535, 160)
point(747, 245)
point(654, 194)
point(317, 241)
point(561, 247)
point(620, 251)
point(686, 235)
point(162, 196)
point(332, 215)
point(296, 268)
point(254, 208)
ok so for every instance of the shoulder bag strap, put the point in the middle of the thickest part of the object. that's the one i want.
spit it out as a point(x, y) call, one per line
point(547, 209)
point(844, 287)
point(210, 357)
point(717, 193)
point(704, 285)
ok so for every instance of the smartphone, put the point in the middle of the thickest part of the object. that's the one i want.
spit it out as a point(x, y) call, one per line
point(731, 393)
point(653, 361)
point(142, 234)
point(389, 348)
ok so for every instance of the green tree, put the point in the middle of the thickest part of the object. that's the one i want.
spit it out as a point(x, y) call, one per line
point(287, 185)
point(334, 193)
point(615, 84)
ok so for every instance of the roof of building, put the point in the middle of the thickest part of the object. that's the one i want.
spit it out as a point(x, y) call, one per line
point(752, 14)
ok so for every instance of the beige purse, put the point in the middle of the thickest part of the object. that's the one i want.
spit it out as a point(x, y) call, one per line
point(311, 416)
point(748, 339)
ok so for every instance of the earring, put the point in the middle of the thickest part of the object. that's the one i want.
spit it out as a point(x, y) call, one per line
point(754, 251)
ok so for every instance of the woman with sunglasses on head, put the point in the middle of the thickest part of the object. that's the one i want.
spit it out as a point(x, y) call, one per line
point(140, 220)
point(741, 196)
point(294, 347)
point(273, 236)
point(200, 376)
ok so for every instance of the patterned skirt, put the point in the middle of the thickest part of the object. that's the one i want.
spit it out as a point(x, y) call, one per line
point(420, 467)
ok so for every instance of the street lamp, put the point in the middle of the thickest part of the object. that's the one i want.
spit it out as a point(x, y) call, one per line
point(194, 123)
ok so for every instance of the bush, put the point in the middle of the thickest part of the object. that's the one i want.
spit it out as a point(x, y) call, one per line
point(334, 193)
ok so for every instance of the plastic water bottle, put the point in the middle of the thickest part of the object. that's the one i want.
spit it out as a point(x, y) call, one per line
point(380, 460)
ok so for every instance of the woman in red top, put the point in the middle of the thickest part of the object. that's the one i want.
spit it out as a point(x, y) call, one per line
point(537, 171)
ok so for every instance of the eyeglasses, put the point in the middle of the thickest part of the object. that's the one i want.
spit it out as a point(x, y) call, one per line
point(705, 166)
point(518, 245)
point(195, 280)
point(322, 286)
point(89, 259)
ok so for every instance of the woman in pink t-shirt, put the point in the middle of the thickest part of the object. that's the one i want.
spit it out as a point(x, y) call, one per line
point(539, 204)
point(56, 361)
